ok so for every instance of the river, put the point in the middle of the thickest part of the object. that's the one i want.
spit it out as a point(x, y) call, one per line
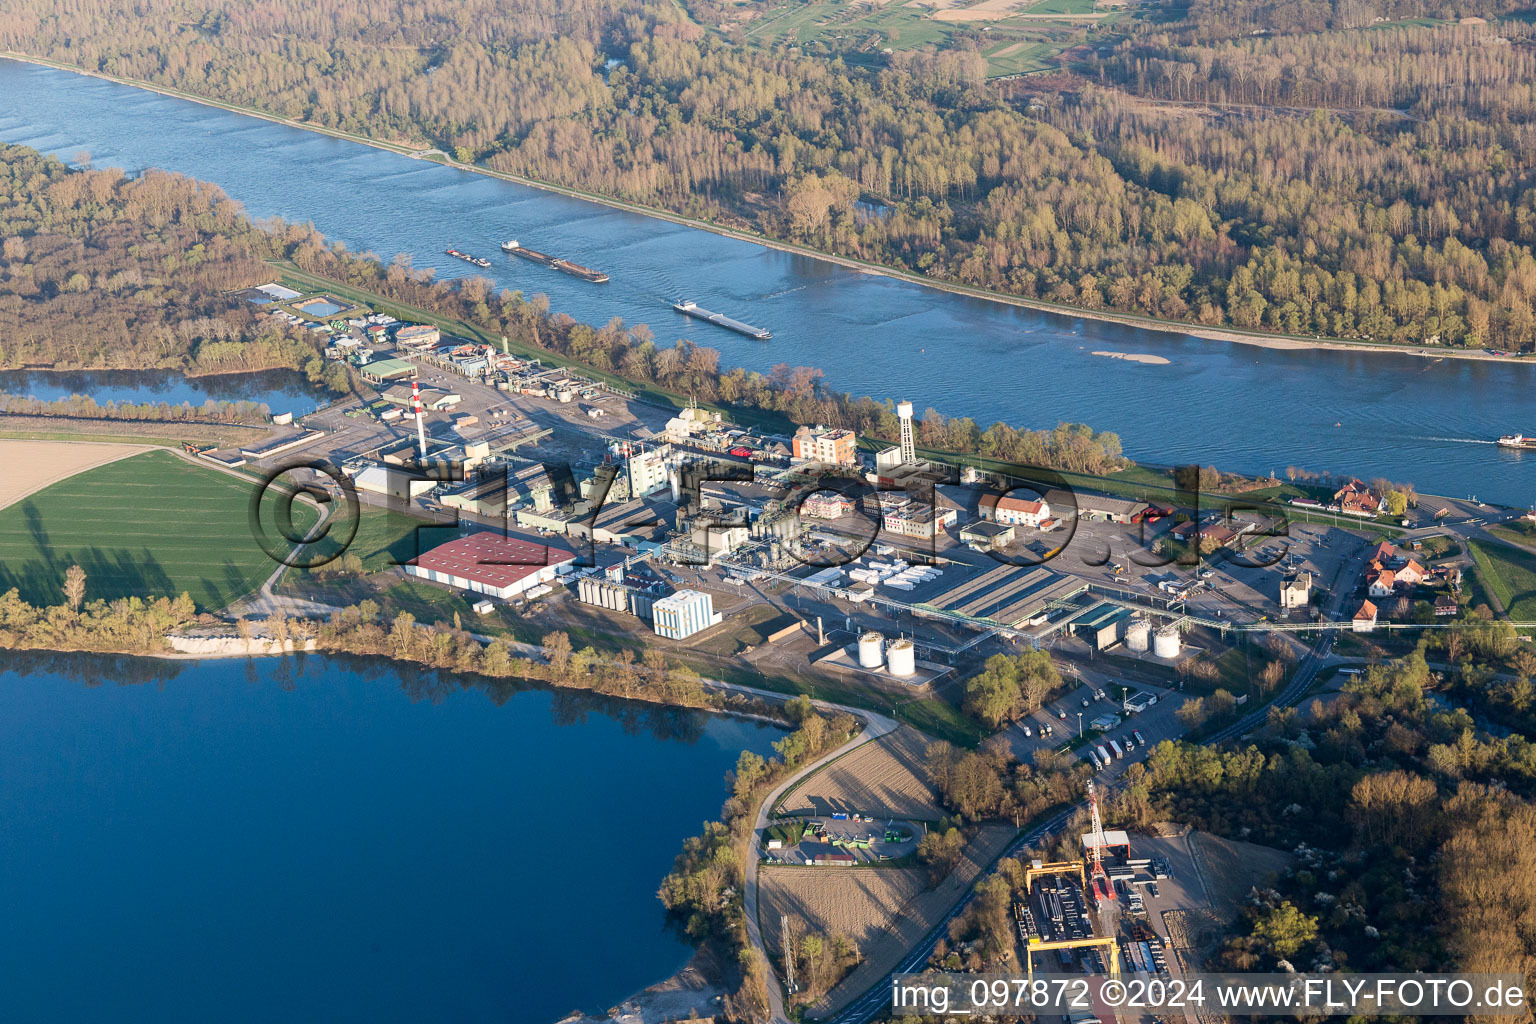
point(319, 839)
point(1240, 407)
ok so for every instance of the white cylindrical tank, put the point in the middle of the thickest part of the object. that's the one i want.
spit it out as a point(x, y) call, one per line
point(1166, 644)
point(1137, 634)
point(871, 650)
point(901, 658)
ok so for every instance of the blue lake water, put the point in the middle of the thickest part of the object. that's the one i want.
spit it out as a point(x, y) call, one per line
point(1238, 406)
point(312, 839)
point(280, 390)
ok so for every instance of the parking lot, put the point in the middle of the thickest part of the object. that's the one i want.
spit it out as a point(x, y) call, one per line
point(1064, 715)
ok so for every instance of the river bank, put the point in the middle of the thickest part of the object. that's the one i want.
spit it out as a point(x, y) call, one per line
point(1222, 334)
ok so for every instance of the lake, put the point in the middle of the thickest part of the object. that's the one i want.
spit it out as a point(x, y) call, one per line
point(1238, 406)
point(319, 839)
point(281, 390)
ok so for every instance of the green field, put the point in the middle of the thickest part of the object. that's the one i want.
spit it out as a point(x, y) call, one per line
point(152, 525)
point(384, 537)
point(1510, 573)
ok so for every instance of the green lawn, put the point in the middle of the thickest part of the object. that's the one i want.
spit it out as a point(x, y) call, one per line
point(1510, 573)
point(384, 537)
point(151, 525)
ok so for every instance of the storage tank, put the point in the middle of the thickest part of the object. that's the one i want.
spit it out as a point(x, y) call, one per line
point(1137, 634)
point(1166, 644)
point(871, 650)
point(901, 658)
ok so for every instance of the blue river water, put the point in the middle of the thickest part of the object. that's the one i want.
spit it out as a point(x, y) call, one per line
point(1239, 406)
point(314, 839)
point(279, 390)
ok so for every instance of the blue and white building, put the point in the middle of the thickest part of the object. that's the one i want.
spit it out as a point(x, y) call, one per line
point(683, 614)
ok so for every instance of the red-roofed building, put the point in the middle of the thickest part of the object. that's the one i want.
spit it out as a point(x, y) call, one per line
point(491, 564)
point(1365, 618)
point(1383, 583)
point(1011, 511)
point(1356, 499)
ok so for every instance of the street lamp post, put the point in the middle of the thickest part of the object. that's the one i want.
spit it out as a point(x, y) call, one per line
point(1079, 725)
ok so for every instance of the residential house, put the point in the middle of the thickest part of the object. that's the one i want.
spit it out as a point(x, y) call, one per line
point(1010, 511)
point(1382, 583)
point(1356, 499)
point(1365, 618)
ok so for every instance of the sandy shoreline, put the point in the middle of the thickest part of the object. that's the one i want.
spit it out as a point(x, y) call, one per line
point(1274, 341)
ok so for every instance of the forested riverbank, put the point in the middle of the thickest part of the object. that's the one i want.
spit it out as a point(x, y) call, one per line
point(1068, 200)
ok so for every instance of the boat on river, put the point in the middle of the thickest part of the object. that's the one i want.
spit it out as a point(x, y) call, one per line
point(690, 308)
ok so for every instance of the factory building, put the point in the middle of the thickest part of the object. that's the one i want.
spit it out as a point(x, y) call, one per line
point(393, 482)
point(382, 370)
point(645, 469)
point(491, 564)
point(986, 536)
point(683, 614)
point(823, 444)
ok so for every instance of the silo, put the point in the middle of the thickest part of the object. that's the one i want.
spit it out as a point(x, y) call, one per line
point(1166, 644)
point(1137, 634)
point(901, 658)
point(871, 650)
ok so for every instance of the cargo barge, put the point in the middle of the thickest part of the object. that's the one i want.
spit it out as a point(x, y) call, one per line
point(511, 248)
point(1526, 441)
point(577, 270)
point(479, 261)
point(690, 308)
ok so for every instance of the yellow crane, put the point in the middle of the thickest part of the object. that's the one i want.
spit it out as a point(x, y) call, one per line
point(1040, 869)
point(1041, 945)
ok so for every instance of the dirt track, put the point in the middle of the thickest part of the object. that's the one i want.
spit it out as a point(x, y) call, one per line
point(32, 465)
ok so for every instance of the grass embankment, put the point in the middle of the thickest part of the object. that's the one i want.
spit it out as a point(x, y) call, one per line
point(1510, 574)
point(152, 524)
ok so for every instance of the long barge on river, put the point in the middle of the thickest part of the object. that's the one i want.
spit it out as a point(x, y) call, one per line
point(690, 308)
point(565, 266)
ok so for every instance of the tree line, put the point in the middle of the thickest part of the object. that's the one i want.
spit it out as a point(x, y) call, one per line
point(86, 407)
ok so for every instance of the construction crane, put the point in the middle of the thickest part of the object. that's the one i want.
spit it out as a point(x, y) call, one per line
point(1103, 888)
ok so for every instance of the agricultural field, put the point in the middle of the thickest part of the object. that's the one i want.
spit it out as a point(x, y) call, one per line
point(150, 525)
point(32, 465)
point(1021, 36)
point(850, 24)
point(1510, 573)
point(884, 778)
point(885, 911)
